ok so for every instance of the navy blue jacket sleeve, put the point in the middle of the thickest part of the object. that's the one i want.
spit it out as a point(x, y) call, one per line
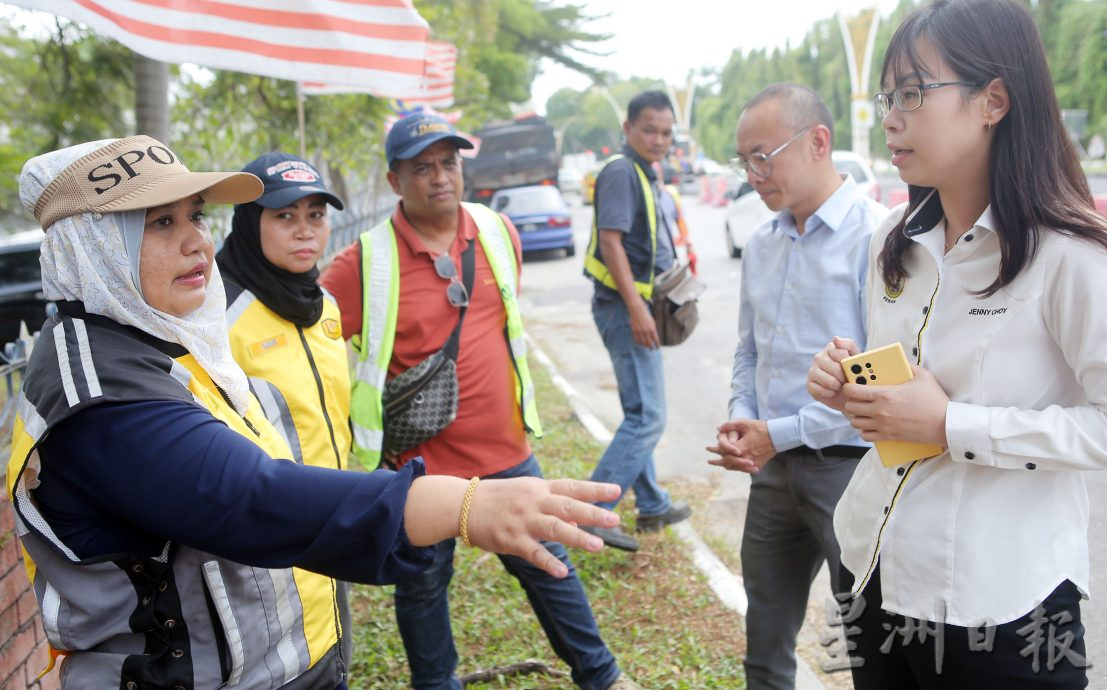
point(120, 478)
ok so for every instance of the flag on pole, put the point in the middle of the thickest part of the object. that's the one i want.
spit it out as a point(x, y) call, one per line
point(436, 89)
point(379, 45)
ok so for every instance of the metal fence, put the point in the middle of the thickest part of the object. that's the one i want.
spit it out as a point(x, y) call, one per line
point(363, 210)
point(13, 359)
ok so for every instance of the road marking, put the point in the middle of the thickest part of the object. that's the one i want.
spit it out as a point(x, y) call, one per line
point(726, 585)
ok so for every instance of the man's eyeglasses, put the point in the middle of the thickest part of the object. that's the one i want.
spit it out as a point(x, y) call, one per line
point(910, 97)
point(759, 162)
point(456, 292)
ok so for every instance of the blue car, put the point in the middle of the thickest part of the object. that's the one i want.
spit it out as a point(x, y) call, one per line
point(541, 216)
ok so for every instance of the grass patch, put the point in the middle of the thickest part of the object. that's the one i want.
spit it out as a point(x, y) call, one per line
point(656, 613)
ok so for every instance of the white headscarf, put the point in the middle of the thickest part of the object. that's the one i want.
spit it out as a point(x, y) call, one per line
point(85, 259)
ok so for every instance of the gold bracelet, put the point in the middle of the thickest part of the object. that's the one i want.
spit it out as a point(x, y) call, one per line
point(466, 503)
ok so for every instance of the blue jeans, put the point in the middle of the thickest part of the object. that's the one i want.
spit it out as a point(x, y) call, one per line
point(423, 615)
point(628, 460)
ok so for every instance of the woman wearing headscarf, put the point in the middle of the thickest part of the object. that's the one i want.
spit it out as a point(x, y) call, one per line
point(284, 331)
point(166, 546)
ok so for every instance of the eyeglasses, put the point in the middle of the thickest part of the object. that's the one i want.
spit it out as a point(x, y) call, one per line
point(759, 162)
point(456, 292)
point(910, 97)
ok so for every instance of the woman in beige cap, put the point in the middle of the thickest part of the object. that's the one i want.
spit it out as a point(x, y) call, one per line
point(160, 535)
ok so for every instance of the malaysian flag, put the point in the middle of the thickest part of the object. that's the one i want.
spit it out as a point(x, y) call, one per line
point(375, 45)
point(435, 90)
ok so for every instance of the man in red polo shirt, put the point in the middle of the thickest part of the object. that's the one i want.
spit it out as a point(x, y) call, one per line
point(495, 400)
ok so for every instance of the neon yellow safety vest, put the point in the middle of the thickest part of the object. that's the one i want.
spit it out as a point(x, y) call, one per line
point(594, 266)
point(380, 299)
point(115, 620)
point(299, 375)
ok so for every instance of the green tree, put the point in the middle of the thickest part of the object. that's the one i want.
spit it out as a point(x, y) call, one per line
point(500, 43)
point(75, 86)
point(591, 120)
point(57, 90)
point(818, 61)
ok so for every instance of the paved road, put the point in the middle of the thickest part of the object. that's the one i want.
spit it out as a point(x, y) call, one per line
point(556, 298)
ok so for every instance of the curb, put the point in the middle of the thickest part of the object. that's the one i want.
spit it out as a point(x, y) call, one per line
point(727, 586)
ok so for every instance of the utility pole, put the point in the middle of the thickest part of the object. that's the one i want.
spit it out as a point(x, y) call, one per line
point(152, 98)
point(859, 36)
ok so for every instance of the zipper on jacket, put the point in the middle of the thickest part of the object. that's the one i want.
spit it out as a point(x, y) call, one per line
point(227, 399)
point(322, 396)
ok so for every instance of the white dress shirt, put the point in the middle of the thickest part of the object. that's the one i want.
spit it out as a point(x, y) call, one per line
point(985, 531)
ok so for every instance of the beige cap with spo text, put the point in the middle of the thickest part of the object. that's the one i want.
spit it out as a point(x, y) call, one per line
point(135, 173)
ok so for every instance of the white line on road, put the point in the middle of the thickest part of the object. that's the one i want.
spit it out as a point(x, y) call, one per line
point(726, 585)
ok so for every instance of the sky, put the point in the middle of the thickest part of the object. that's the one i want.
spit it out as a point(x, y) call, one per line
point(667, 38)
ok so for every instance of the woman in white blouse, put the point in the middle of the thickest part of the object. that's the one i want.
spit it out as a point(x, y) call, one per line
point(968, 567)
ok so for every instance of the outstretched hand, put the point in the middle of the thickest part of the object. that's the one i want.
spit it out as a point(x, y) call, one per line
point(512, 516)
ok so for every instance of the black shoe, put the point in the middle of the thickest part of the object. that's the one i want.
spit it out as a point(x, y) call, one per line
point(613, 537)
point(679, 510)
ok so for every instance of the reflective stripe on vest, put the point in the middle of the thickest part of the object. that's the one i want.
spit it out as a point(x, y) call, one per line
point(593, 260)
point(380, 304)
point(278, 627)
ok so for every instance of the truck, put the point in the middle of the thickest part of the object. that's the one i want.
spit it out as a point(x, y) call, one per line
point(518, 153)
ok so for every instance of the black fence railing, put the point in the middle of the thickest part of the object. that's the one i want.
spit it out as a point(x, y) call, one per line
point(13, 359)
point(363, 211)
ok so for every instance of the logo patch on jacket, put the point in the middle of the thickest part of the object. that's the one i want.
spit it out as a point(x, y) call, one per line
point(266, 346)
point(332, 328)
point(891, 292)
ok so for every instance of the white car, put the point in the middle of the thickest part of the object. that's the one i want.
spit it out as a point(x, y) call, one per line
point(568, 180)
point(745, 210)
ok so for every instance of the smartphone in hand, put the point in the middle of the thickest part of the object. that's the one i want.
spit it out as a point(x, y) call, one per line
point(887, 366)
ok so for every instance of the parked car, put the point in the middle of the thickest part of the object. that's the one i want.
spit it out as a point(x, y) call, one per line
point(21, 298)
point(860, 170)
point(569, 180)
point(541, 216)
point(745, 210)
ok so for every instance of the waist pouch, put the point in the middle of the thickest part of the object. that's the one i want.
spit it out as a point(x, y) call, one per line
point(422, 401)
point(674, 304)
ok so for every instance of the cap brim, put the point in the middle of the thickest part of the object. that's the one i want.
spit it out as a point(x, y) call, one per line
point(216, 188)
point(421, 145)
point(280, 198)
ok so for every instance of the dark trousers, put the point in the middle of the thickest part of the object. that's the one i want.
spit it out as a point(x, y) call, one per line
point(1041, 650)
point(789, 532)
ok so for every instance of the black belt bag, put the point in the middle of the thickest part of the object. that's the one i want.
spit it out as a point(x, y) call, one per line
point(422, 401)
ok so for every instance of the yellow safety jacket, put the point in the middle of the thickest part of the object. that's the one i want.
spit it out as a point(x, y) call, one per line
point(380, 281)
point(594, 266)
point(135, 621)
point(299, 375)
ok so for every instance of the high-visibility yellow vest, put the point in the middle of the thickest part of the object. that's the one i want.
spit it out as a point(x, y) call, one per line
point(594, 265)
point(241, 626)
point(299, 375)
point(380, 300)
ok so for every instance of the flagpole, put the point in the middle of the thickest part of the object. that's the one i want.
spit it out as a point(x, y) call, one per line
point(300, 119)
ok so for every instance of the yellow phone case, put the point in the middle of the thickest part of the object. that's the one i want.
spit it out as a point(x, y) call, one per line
point(887, 366)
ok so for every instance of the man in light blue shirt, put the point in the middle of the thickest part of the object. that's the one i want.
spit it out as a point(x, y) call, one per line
point(803, 280)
